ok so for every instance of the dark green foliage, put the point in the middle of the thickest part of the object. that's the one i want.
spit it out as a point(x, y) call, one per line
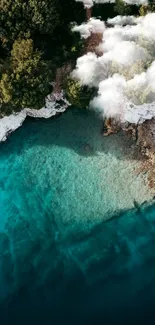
point(78, 95)
point(122, 8)
point(148, 8)
point(35, 39)
point(43, 21)
point(21, 18)
point(110, 10)
point(103, 10)
point(26, 82)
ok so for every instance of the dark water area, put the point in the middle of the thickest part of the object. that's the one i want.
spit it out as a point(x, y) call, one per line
point(107, 276)
point(63, 259)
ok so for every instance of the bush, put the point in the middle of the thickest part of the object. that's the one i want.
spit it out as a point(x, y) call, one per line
point(77, 94)
point(26, 82)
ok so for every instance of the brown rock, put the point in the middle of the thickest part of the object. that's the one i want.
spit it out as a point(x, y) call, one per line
point(110, 127)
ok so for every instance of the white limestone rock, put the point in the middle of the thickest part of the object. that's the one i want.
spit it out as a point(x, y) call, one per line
point(55, 104)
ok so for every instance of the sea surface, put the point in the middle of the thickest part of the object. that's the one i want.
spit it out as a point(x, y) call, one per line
point(77, 226)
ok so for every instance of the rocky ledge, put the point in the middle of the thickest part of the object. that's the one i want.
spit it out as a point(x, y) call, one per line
point(146, 144)
point(55, 104)
point(144, 137)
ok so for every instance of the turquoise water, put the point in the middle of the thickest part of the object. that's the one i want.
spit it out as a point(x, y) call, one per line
point(73, 247)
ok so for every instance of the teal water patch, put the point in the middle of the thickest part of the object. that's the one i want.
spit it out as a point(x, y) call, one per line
point(60, 183)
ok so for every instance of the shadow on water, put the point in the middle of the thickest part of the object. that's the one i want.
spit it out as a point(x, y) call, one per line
point(78, 130)
point(54, 273)
point(105, 277)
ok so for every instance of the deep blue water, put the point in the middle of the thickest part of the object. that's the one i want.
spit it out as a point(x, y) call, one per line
point(73, 247)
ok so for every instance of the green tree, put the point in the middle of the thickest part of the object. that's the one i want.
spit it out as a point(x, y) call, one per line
point(122, 8)
point(145, 9)
point(22, 18)
point(26, 82)
point(77, 94)
point(46, 22)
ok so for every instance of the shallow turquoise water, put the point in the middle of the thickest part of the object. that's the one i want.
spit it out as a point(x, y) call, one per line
point(62, 257)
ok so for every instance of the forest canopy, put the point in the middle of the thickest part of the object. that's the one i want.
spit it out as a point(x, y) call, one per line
point(35, 40)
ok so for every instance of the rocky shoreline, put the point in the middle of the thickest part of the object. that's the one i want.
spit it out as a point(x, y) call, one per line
point(143, 136)
point(55, 104)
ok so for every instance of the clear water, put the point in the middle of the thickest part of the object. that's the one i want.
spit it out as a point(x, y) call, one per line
point(73, 248)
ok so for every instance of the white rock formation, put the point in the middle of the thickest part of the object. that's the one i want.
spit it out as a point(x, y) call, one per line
point(140, 113)
point(10, 123)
